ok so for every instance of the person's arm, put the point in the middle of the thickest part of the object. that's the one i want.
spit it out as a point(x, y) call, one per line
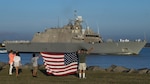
point(78, 51)
point(39, 55)
point(89, 51)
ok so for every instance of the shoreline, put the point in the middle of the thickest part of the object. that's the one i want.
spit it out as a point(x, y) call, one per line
point(112, 68)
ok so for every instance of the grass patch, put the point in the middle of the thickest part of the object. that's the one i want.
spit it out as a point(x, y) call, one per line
point(93, 77)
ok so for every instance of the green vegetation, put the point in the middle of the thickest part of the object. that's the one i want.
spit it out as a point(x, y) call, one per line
point(93, 77)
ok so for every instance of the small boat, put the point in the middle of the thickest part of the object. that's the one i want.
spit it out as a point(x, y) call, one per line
point(3, 50)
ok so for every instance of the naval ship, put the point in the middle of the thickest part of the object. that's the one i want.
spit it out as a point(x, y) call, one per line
point(72, 37)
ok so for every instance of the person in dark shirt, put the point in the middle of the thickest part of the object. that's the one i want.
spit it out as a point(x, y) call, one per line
point(82, 53)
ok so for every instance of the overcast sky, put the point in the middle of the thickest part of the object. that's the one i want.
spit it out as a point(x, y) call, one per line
point(115, 19)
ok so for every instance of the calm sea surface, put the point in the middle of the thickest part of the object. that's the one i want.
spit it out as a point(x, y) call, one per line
point(136, 61)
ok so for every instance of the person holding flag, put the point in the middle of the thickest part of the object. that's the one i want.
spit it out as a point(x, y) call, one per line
point(82, 53)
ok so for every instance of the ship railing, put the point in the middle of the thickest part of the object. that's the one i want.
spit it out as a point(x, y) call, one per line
point(124, 40)
point(17, 41)
point(127, 40)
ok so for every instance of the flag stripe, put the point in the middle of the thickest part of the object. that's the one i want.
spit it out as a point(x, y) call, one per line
point(62, 73)
point(63, 70)
point(53, 59)
point(60, 63)
point(53, 56)
point(61, 67)
point(55, 63)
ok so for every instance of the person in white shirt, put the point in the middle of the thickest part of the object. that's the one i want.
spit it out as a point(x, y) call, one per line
point(17, 63)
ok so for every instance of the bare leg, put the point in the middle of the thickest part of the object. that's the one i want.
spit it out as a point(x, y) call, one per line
point(35, 71)
point(17, 71)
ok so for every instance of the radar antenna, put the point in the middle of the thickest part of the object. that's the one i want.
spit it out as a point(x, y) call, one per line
point(75, 13)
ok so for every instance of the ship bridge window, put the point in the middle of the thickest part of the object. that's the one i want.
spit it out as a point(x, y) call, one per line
point(91, 35)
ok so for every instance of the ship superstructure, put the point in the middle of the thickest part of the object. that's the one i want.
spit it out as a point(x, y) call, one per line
point(70, 33)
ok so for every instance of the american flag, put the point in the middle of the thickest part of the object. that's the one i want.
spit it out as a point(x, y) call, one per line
point(60, 63)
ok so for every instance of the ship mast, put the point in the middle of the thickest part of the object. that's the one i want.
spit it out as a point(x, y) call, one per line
point(77, 22)
point(75, 13)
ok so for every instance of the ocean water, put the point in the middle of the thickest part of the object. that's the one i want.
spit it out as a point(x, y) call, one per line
point(132, 61)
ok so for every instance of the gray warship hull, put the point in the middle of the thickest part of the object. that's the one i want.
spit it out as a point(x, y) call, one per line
point(72, 37)
point(105, 48)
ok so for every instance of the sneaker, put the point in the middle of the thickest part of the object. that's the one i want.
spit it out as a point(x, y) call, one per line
point(34, 76)
point(10, 74)
point(84, 78)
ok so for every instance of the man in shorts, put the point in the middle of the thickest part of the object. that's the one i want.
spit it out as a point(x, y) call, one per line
point(82, 53)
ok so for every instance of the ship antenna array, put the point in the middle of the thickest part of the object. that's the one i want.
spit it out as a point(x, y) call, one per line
point(145, 36)
point(75, 13)
point(58, 22)
point(98, 28)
